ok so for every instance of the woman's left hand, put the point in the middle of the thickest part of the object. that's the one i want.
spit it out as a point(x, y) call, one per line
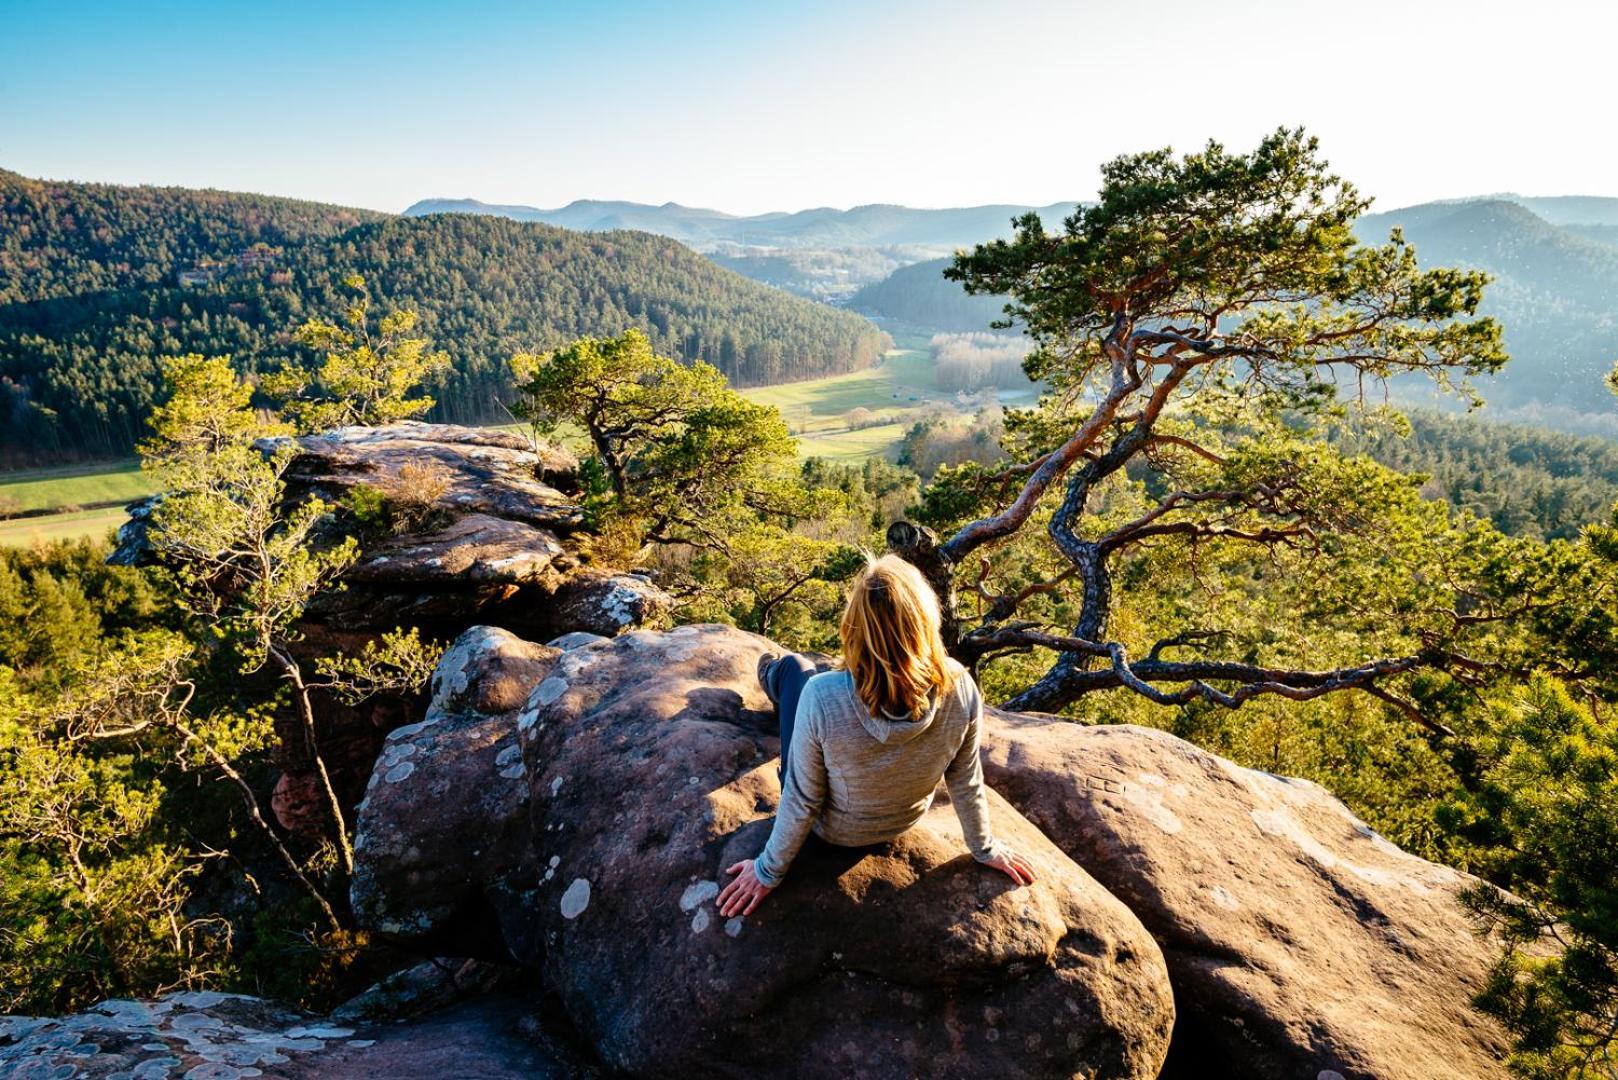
point(744, 893)
point(1014, 866)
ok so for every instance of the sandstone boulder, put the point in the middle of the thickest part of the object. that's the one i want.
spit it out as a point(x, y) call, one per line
point(442, 852)
point(494, 537)
point(601, 602)
point(1300, 942)
point(497, 540)
point(650, 765)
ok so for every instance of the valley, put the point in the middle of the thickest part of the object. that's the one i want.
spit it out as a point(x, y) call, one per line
point(1554, 262)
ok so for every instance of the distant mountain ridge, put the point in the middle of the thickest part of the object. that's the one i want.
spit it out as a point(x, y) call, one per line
point(1561, 209)
point(872, 225)
point(1555, 290)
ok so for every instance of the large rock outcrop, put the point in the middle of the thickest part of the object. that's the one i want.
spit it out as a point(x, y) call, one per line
point(1300, 942)
point(442, 848)
point(649, 767)
point(484, 530)
point(487, 531)
point(574, 806)
point(492, 535)
point(650, 764)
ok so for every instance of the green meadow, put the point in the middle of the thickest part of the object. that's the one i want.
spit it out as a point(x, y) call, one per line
point(67, 503)
point(894, 394)
point(74, 525)
point(75, 487)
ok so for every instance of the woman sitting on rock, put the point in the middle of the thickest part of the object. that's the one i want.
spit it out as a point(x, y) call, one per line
point(863, 748)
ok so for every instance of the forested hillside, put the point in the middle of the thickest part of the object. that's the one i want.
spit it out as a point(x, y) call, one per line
point(1525, 481)
point(61, 239)
point(1555, 291)
point(920, 296)
point(103, 281)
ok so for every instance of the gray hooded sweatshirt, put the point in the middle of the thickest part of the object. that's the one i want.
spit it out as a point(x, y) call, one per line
point(858, 779)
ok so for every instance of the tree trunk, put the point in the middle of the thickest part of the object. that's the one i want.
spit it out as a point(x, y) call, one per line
point(223, 765)
point(919, 546)
point(306, 712)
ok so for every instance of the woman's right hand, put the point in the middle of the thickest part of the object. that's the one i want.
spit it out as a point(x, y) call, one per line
point(1014, 866)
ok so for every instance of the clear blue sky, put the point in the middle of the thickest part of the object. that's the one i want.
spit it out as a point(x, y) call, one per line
point(759, 105)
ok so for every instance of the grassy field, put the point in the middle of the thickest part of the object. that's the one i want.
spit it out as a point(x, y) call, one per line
point(69, 502)
point(853, 446)
point(78, 486)
point(24, 532)
point(904, 377)
point(896, 392)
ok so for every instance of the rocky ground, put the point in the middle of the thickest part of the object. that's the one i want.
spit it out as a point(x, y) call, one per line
point(564, 812)
point(202, 1035)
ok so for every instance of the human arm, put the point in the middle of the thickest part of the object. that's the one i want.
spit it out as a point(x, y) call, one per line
point(803, 791)
point(964, 779)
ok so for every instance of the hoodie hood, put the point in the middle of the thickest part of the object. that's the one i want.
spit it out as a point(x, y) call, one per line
point(887, 729)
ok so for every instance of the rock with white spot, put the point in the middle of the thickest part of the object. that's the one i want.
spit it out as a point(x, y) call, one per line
point(604, 603)
point(576, 640)
point(549, 690)
point(575, 899)
point(1300, 943)
point(631, 949)
point(443, 840)
point(697, 894)
point(488, 670)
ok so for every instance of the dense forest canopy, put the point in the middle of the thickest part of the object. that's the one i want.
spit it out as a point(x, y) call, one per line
point(68, 239)
point(1525, 481)
point(160, 272)
point(1555, 292)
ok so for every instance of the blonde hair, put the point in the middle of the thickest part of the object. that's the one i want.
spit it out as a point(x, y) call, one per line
point(891, 641)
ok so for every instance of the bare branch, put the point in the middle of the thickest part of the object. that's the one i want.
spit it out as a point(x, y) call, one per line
point(1176, 440)
point(1126, 379)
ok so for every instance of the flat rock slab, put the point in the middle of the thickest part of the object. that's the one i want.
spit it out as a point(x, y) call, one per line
point(651, 763)
point(211, 1036)
point(1300, 942)
point(487, 471)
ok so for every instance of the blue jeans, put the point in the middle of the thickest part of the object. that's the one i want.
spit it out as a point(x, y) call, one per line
point(784, 679)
